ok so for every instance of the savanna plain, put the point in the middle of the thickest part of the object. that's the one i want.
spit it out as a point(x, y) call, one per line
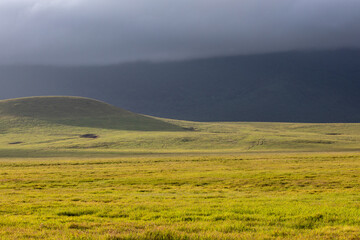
point(180, 180)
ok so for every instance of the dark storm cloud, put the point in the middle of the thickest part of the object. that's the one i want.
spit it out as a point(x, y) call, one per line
point(104, 31)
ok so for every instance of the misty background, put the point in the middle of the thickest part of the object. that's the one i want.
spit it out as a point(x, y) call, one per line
point(306, 86)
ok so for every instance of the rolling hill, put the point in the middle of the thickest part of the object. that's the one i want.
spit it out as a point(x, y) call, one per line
point(78, 111)
point(77, 126)
point(311, 86)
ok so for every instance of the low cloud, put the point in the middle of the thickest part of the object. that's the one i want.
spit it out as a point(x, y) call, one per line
point(111, 31)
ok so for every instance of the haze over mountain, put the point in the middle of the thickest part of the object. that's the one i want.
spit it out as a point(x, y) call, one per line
point(84, 32)
point(308, 86)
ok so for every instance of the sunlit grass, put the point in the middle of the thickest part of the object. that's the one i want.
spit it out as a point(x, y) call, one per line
point(210, 181)
point(262, 196)
point(39, 138)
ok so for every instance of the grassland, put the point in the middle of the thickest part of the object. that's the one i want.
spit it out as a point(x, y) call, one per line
point(253, 196)
point(51, 126)
point(164, 179)
point(38, 138)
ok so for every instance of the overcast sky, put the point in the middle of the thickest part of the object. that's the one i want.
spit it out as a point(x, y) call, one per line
point(111, 31)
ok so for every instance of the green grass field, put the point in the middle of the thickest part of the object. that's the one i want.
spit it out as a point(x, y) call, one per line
point(38, 138)
point(161, 179)
point(254, 196)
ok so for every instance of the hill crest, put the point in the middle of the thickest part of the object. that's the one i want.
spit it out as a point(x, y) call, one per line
point(81, 111)
point(59, 107)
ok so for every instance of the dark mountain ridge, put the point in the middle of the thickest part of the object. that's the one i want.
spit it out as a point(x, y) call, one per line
point(312, 86)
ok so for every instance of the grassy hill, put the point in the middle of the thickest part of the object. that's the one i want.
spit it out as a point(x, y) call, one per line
point(54, 126)
point(76, 111)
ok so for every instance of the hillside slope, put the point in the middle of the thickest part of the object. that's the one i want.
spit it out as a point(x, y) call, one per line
point(74, 126)
point(319, 86)
point(78, 111)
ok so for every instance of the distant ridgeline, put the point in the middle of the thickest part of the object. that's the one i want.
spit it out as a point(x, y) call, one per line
point(78, 111)
point(318, 86)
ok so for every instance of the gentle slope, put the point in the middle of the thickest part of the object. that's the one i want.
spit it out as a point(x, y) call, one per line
point(78, 111)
